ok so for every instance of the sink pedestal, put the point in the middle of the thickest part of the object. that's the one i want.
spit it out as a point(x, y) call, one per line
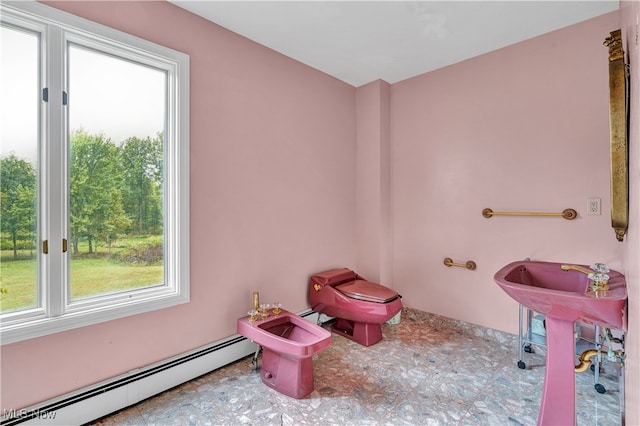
point(559, 393)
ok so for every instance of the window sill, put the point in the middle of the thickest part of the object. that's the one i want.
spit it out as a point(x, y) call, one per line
point(42, 326)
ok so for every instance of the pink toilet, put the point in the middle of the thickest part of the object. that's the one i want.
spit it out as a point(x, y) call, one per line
point(359, 306)
point(288, 344)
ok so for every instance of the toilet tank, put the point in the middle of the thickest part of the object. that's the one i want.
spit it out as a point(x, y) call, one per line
point(334, 277)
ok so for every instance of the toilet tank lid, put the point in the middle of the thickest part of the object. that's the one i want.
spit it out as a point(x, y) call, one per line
point(334, 277)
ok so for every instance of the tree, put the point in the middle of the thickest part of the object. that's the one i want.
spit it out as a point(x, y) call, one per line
point(95, 179)
point(142, 162)
point(18, 198)
point(115, 219)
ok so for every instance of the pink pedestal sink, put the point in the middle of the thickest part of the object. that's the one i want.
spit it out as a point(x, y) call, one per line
point(564, 297)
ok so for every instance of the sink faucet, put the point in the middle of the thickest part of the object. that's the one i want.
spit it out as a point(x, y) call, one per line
point(597, 274)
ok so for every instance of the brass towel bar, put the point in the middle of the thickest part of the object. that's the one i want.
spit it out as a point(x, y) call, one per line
point(568, 214)
point(471, 265)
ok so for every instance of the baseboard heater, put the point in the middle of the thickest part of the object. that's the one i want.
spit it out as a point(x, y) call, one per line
point(120, 392)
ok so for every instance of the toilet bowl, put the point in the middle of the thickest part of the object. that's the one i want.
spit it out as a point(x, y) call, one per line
point(288, 344)
point(359, 306)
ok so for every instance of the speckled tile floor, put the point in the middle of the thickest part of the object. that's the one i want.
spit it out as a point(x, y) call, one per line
point(428, 370)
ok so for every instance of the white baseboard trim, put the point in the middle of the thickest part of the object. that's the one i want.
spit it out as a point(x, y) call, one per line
point(109, 396)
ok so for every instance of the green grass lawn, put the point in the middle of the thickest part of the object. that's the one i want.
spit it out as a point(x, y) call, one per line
point(90, 276)
point(17, 279)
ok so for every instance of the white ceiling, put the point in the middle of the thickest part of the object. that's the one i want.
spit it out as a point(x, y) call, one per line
point(361, 41)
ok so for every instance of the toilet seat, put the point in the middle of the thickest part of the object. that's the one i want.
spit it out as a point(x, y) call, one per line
point(367, 291)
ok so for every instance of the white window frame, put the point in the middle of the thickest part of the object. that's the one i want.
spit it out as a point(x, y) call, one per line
point(56, 311)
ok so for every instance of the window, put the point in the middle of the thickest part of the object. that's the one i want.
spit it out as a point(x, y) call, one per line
point(94, 163)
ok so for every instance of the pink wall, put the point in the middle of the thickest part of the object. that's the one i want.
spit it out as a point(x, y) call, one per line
point(524, 128)
point(373, 181)
point(630, 27)
point(272, 190)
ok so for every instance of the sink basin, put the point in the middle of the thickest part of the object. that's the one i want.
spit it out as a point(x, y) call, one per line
point(565, 295)
point(565, 298)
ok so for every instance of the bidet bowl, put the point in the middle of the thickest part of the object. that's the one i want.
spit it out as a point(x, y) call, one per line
point(286, 333)
point(565, 295)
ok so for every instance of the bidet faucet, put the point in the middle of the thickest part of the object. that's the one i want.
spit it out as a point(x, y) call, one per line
point(597, 274)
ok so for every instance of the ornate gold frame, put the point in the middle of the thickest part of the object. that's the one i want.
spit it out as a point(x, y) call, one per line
point(618, 116)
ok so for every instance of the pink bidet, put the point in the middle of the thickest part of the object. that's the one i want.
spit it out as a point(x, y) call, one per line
point(288, 344)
